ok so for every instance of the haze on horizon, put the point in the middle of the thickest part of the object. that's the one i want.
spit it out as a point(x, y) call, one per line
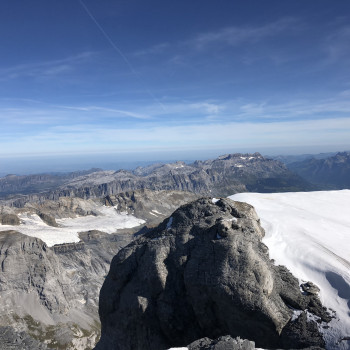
point(161, 80)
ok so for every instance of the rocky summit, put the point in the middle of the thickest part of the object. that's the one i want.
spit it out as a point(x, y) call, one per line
point(204, 272)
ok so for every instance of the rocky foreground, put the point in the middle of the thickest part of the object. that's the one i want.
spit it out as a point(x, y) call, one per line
point(204, 272)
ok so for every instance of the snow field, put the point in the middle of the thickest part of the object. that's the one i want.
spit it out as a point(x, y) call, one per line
point(108, 221)
point(309, 233)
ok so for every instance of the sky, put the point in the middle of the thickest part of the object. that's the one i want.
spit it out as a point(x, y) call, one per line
point(144, 80)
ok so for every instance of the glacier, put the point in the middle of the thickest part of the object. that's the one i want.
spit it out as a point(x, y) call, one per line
point(309, 233)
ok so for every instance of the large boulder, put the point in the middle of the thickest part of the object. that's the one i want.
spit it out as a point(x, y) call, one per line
point(204, 272)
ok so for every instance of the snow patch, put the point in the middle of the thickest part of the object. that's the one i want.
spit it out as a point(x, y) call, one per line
point(108, 220)
point(157, 212)
point(169, 223)
point(214, 200)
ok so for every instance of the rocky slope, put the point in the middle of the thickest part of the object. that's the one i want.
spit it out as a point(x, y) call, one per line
point(49, 295)
point(223, 176)
point(204, 272)
point(330, 173)
point(12, 340)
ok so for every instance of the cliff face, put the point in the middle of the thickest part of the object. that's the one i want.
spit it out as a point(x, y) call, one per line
point(50, 295)
point(204, 272)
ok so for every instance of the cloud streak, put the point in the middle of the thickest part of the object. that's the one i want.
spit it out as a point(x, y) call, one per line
point(45, 68)
point(234, 36)
point(87, 138)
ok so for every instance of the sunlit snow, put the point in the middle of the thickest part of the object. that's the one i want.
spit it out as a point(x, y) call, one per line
point(108, 221)
point(309, 232)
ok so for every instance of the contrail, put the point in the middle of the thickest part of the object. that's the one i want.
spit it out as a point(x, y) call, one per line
point(116, 48)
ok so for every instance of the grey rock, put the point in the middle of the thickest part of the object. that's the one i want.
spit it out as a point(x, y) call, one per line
point(203, 272)
point(310, 288)
point(308, 334)
point(9, 219)
point(48, 219)
point(52, 293)
point(151, 206)
point(12, 340)
point(222, 343)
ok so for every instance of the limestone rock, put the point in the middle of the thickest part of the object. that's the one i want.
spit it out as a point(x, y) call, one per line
point(12, 340)
point(52, 293)
point(310, 288)
point(9, 219)
point(203, 272)
point(222, 343)
point(48, 219)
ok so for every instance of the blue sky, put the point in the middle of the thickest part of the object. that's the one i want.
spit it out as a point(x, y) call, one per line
point(166, 79)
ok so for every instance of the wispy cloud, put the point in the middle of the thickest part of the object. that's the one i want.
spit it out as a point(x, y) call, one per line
point(331, 131)
point(153, 50)
point(337, 44)
point(298, 109)
point(44, 68)
point(231, 36)
point(236, 35)
point(113, 111)
point(39, 113)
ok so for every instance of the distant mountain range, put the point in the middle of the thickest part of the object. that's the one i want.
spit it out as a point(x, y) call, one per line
point(287, 159)
point(13, 184)
point(223, 176)
point(329, 173)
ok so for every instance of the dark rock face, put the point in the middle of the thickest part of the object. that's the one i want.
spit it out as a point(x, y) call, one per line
point(204, 272)
point(330, 173)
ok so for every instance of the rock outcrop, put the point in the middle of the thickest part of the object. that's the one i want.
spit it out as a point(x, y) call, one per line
point(8, 216)
point(12, 340)
point(50, 295)
point(222, 343)
point(204, 272)
point(151, 206)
